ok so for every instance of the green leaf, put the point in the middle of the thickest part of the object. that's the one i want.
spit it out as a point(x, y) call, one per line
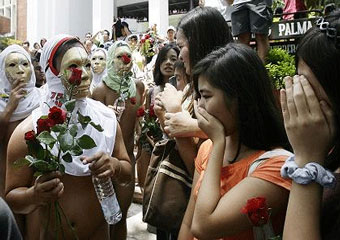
point(41, 166)
point(46, 137)
point(67, 157)
point(84, 120)
point(53, 166)
point(74, 130)
point(66, 141)
point(61, 168)
point(86, 142)
point(70, 105)
point(76, 150)
point(59, 128)
point(21, 162)
point(97, 126)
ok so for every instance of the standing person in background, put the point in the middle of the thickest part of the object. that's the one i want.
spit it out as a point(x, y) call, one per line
point(19, 97)
point(182, 79)
point(223, 6)
point(196, 38)
point(311, 109)
point(253, 16)
point(39, 73)
point(42, 42)
point(170, 35)
point(26, 46)
point(108, 91)
point(98, 67)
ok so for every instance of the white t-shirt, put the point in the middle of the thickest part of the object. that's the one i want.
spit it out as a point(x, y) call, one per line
point(222, 6)
point(240, 1)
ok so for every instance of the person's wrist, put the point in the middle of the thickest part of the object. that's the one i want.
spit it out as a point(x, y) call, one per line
point(302, 159)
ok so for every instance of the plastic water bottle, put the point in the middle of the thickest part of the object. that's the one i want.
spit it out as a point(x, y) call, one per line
point(108, 200)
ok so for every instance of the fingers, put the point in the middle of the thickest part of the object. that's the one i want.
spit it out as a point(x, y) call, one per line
point(168, 116)
point(48, 176)
point(290, 97)
point(300, 101)
point(284, 107)
point(312, 100)
point(329, 115)
point(91, 159)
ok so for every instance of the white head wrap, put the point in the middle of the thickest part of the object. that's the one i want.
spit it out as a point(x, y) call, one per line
point(97, 78)
point(31, 100)
point(99, 113)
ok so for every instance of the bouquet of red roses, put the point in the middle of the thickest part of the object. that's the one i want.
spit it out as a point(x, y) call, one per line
point(258, 213)
point(151, 131)
point(56, 131)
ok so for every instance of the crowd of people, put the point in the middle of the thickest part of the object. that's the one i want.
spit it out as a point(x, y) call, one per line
point(204, 88)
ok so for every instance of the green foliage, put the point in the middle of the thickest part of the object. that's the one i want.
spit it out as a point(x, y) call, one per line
point(6, 41)
point(279, 65)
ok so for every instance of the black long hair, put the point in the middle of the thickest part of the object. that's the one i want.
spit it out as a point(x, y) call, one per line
point(157, 74)
point(322, 54)
point(206, 30)
point(238, 71)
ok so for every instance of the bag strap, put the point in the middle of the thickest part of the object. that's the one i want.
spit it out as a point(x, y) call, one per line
point(269, 154)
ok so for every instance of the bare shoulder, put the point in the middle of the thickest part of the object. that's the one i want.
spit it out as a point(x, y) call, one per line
point(99, 92)
point(23, 127)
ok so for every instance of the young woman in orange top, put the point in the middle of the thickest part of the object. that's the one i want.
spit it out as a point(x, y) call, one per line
point(237, 110)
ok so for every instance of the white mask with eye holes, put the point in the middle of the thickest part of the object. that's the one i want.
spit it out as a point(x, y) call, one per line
point(16, 65)
point(98, 66)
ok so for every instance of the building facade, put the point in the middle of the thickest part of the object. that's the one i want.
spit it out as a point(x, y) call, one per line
point(35, 19)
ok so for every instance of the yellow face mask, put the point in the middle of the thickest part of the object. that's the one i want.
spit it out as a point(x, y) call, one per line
point(76, 57)
point(98, 62)
point(17, 67)
point(119, 64)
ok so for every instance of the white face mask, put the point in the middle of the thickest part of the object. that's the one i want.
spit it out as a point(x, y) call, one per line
point(98, 62)
point(17, 67)
point(119, 64)
point(76, 57)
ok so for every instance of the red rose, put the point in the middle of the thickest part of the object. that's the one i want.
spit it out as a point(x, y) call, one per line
point(140, 112)
point(75, 78)
point(147, 36)
point(44, 124)
point(126, 59)
point(257, 211)
point(143, 40)
point(133, 100)
point(57, 115)
point(152, 112)
point(30, 136)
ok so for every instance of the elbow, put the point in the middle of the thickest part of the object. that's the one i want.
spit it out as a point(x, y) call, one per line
point(199, 230)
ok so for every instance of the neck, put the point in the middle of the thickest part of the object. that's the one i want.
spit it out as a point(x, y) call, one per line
point(232, 152)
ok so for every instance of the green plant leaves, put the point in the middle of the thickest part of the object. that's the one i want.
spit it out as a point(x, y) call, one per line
point(97, 126)
point(84, 120)
point(86, 142)
point(67, 157)
point(66, 141)
point(46, 138)
point(70, 105)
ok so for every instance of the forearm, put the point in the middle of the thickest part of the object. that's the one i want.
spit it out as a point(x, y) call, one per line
point(209, 193)
point(187, 149)
point(5, 117)
point(124, 175)
point(21, 200)
point(303, 212)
